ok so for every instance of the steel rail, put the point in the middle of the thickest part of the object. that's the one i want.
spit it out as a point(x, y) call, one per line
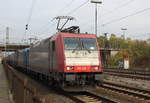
point(128, 75)
point(136, 72)
point(140, 93)
point(87, 97)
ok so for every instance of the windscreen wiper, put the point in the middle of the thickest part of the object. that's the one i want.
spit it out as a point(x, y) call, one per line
point(85, 48)
point(79, 45)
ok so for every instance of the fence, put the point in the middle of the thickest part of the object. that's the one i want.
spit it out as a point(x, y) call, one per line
point(23, 90)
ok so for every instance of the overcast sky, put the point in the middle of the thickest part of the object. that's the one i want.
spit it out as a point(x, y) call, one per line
point(15, 14)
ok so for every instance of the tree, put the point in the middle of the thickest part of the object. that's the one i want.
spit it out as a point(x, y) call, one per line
point(101, 41)
point(134, 49)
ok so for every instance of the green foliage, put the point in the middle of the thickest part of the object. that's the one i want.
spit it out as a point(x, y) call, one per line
point(113, 60)
point(143, 62)
point(135, 49)
point(101, 41)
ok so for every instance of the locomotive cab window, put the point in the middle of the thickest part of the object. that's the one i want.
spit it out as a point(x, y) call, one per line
point(89, 44)
point(80, 44)
point(71, 43)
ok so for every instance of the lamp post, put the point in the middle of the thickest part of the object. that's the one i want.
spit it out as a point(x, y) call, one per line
point(96, 2)
point(106, 51)
point(7, 40)
point(123, 29)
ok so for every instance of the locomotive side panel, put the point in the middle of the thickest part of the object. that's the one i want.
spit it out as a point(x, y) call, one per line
point(60, 54)
point(57, 55)
point(26, 58)
point(16, 55)
point(52, 54)
point(20, 59)
point(38, 57)
point(11, 58)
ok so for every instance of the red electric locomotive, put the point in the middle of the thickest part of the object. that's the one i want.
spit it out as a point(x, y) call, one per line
point(68, 60)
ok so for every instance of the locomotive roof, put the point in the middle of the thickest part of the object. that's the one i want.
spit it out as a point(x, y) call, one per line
point(81, 35)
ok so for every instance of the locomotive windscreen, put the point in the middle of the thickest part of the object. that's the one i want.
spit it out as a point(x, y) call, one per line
point(80, 44)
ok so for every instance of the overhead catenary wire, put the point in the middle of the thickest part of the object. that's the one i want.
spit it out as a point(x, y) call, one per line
point(61, 10)
point(66, 6)
point(28, 20)
point(122, 18)
point(125, 4)
point(117, 8)
point(77, 8)
point(72, 11)
point(30, 12)
point(46, 28)
point(29, 15)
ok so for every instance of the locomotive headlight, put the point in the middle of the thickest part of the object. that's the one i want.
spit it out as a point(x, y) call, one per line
point(70, 68)
point(95, 68)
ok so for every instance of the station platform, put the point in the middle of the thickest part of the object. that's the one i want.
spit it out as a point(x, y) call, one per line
point(4, 95)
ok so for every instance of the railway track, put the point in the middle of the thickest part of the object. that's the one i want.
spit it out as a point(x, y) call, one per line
point(128, 74)
point(79, 97)
point(131, 91)
point(87, 97)
point(138, 72)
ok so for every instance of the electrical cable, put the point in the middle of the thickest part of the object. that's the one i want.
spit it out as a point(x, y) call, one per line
point(45, 29)
point(59, 12)
point(117, 8)
point(122, 18)
point(31, 11)
point(29, 19)
point(66, 6)
point(72, 11)
point(77, 8)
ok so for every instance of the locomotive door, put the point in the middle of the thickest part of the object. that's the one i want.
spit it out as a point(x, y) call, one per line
point(52, 55)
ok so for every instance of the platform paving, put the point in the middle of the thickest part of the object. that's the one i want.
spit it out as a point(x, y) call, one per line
point(4, 98)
